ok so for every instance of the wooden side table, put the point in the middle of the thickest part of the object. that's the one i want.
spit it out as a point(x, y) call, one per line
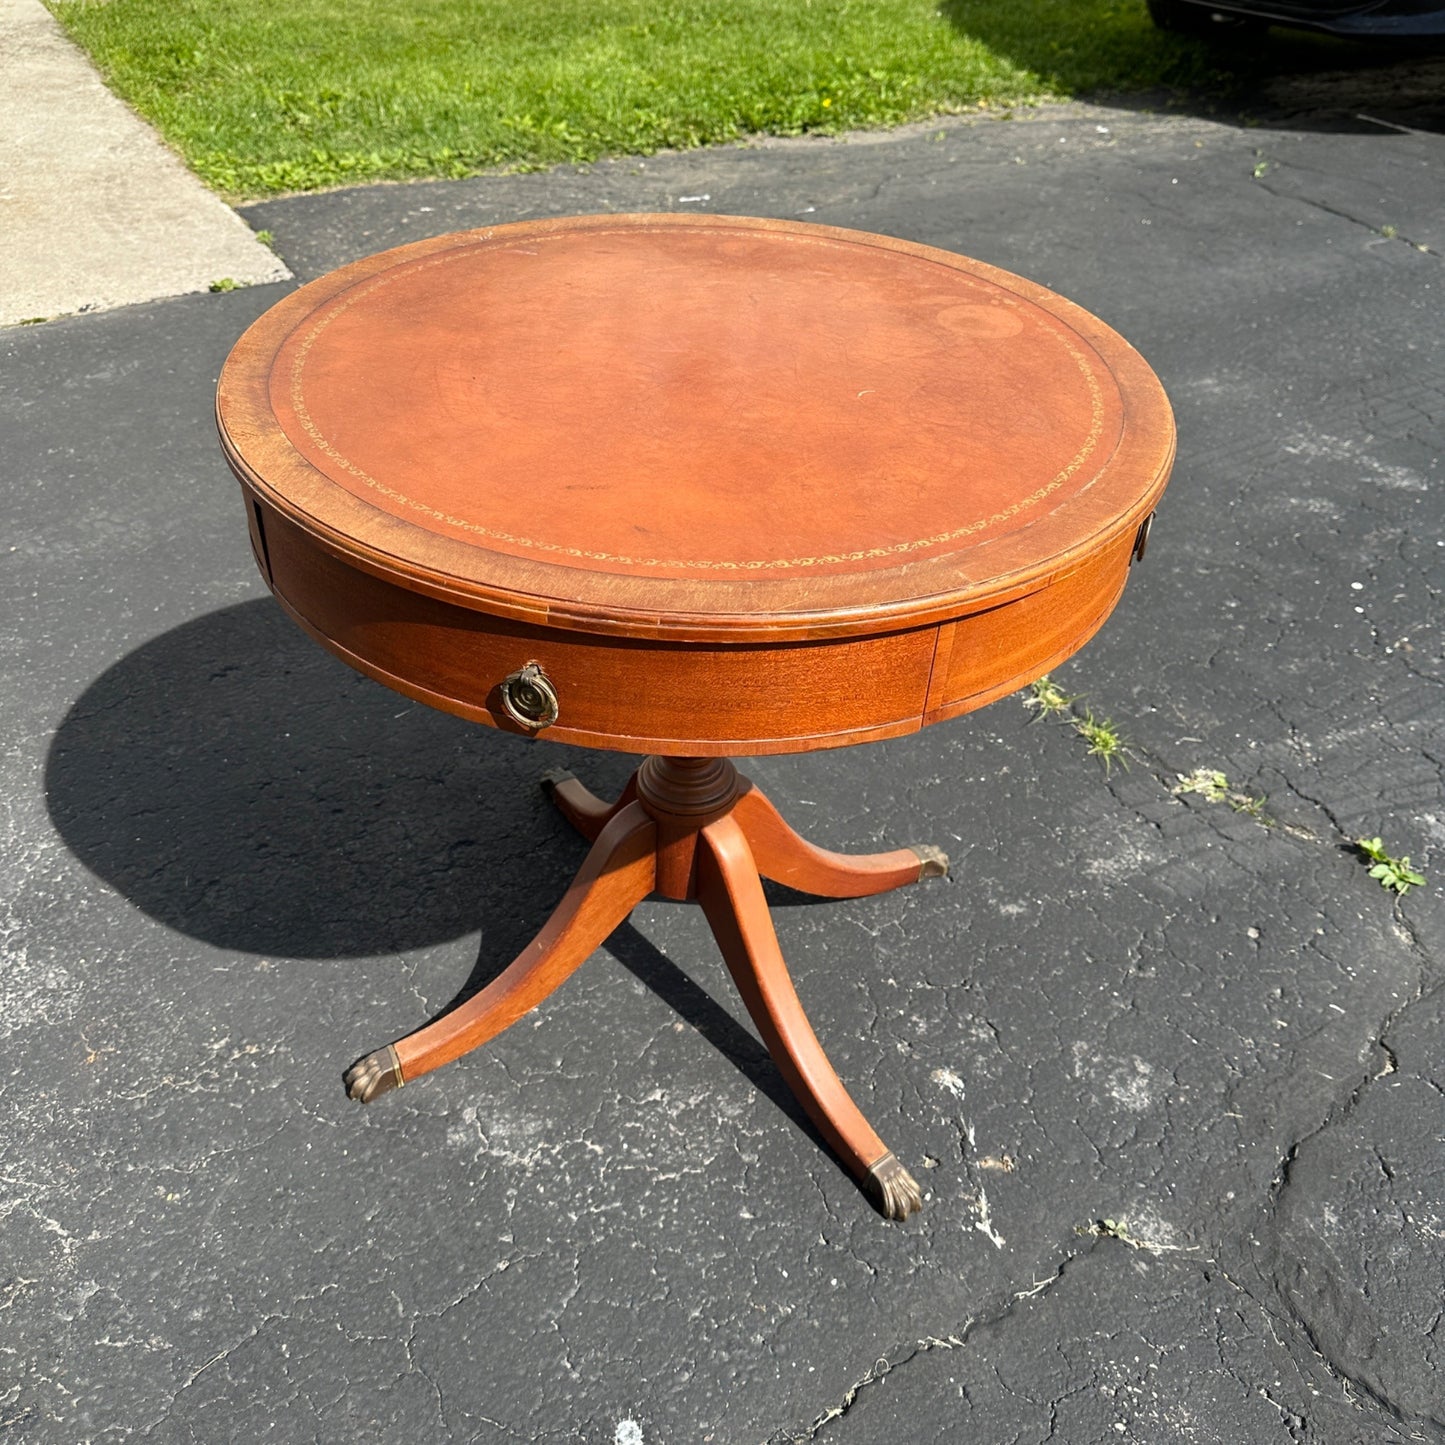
point(691, 487)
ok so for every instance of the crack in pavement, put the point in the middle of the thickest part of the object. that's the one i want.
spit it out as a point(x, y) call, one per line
point(1350, 1374)
point(1329, 210)
point(886, 1364)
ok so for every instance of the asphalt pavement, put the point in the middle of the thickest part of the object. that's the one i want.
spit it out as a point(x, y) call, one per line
point(1171, 1070)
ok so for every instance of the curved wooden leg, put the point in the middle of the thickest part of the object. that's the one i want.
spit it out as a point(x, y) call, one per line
point(583, 809)
point(786, 858)
point(617, 874)
point(732, 897)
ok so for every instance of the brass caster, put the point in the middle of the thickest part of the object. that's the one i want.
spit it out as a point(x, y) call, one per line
point(893, 1190)
point(373, 1076)
point(933, 862)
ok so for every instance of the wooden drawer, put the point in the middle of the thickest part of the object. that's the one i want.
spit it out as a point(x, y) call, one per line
point(627, 694)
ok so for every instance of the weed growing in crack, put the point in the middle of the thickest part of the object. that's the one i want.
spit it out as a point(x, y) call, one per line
point(1391, 872)
point(1251, 807)
point(1210, 784)
point(1048, 699)
point(225, 283)
point(1213, 786)
point(1114, 1229)
point(1045, 698)
point(1106, 743)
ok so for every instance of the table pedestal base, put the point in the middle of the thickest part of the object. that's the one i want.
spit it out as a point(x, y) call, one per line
point(687, 828)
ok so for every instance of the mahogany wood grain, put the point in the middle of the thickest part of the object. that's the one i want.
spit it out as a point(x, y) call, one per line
point(785, 857)
point(627, 694)
point(688, 699)
point(732, 898)
point(679, 830)
point(586, 812)
point(617, 875)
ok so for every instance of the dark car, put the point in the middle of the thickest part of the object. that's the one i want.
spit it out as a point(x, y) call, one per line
point(1380, 19)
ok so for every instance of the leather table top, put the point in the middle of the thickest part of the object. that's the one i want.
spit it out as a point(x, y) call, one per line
point(697, 425)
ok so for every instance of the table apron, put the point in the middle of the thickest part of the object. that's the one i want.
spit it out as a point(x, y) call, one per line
point(682, 698)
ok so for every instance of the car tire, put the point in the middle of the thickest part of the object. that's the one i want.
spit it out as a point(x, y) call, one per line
point(1182, 18)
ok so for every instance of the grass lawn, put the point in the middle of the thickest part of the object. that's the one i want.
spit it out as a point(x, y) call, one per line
point(263, 97)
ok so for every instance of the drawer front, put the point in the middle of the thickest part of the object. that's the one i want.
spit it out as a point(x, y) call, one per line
point(625, 694)
point(991, 654)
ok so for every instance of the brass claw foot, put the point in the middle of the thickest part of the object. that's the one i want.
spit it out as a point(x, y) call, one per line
point(373, 1076)
point(933, 861)
point(893, 1190)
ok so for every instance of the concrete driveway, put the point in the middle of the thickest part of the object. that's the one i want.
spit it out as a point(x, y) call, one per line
point(234, 866)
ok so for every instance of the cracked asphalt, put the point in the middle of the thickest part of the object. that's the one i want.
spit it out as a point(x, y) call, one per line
point(233, 866)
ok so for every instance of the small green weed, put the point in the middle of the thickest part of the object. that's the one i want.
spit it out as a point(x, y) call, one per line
point(224, 284)
point(1260, 167)
point(1048, 698)
point(266, 239)
point(1210, 784)
point(1105, 741)
point(1391, 872)
point(1389, 232)
point(1213, 786)
point(33, 320)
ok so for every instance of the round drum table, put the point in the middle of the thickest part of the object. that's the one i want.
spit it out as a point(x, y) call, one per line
point(689, 487)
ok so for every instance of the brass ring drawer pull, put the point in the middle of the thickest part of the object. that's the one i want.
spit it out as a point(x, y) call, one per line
point(1141, 538)
point(529, 698)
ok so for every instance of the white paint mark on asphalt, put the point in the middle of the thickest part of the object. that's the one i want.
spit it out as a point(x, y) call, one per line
point(1128, 1082)
point(1127, 859)
point(1342, 449)
point(984, 1223)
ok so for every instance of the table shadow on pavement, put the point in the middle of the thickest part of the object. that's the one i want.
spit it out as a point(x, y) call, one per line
point(240, 786)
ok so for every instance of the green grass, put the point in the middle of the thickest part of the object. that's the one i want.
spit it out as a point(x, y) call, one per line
point(263, 97)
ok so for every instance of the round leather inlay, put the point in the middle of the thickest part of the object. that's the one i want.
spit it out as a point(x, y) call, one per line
point(683, 402)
